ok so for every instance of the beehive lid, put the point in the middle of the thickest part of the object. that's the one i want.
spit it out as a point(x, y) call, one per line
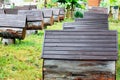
point(80, 45)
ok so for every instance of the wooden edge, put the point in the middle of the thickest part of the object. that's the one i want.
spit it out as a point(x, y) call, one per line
point(117, 46)
point(24, 29)
point(80, 59)
point(43, 71)
point(42, 25)
point(51, 20)
point(58, 18)
point(81, 30)
point(43, 44)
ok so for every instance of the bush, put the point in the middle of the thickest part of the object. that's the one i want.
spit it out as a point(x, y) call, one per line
point(78, 14)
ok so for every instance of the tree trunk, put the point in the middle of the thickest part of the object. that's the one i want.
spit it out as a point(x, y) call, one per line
point(72, 10)
point(45, 3)
point(115, 12)
point(68, 14)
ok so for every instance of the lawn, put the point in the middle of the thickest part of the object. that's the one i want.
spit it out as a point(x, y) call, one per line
point(22, 60)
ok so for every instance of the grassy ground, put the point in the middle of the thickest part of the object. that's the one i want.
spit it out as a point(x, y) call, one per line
point(115, 25)
point(22, 60)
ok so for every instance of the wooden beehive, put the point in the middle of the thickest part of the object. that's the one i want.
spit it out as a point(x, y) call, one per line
point(79, 55)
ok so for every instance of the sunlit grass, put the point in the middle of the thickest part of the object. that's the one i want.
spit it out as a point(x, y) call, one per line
point(21, 61)
point(115, 25)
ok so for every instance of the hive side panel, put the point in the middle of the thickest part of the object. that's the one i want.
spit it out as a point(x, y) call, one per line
point(78, 70)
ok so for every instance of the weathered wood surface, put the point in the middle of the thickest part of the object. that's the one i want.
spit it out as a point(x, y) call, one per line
point(56, 13)
point(78, 25)
point(32, 15)
point(12, 26)
point(2, 11)
point(62, 13)
point(30, 7)
point(48, 16)
point(78, 70)
point(34, 19)
point(95, 15)
point(12, 21)
point(22, 7)
point(47, 13)
point(33, 7)
point(80, 44)
point(11, 11)
point(92, 20)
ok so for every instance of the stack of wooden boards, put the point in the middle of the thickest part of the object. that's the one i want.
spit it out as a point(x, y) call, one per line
point(34, 19)
point(83, 50)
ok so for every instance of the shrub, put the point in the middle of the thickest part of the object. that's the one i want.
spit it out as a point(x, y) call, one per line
point(78, 14)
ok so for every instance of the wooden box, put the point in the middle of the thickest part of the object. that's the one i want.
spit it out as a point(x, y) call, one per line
point(80, 55)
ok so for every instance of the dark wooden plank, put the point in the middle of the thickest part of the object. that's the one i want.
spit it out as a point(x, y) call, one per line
point(80, 57)
point(60, 31)
point(79, 37)
point(79, 53)
point(83, 33)
point(93, 18)
point(69, 48)
point(81, 45)
point(87, 13)
point(13, 21)
point(95, 15)
point(79, 41)
point(11, 11)
point(89, 22)
point(89, 27)
point(86, 25)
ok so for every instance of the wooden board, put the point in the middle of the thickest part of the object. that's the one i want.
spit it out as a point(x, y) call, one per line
point(13, 26)
point(95, 15)
point(92, 19)
point(12, 21)
point(56, 11)
point(78, 70)
point(11, 11)
point(80, 25)
point(80, 45)
point(2, 11)
point(47, 13)
point(32, 15)
point(22, 7)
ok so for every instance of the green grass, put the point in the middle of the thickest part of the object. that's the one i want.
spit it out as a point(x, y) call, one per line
point(22, 60)
point(115, 25)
